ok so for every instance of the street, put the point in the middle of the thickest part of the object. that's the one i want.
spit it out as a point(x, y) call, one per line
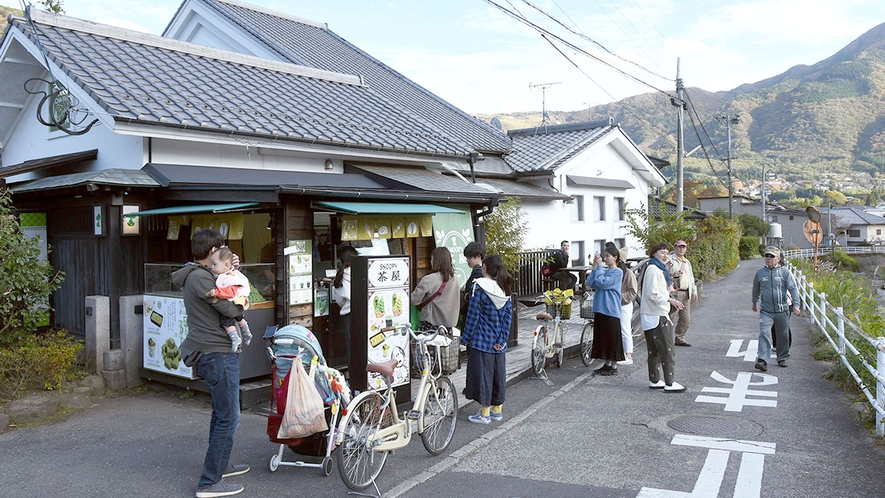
point(735, 432)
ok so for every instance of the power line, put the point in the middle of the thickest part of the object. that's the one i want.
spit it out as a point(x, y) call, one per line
point(580, 34)
point(524, 20)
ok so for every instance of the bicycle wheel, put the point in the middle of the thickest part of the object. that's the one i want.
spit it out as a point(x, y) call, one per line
point(587, 343)
point(440, 416)
point(358, 464)
point(558, 344)
point(539, 353)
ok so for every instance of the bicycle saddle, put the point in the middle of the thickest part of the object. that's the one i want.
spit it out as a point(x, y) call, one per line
point(385, 368)
point(544, 316)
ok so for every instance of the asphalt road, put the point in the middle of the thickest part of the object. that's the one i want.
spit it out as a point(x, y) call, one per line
point(572, 434)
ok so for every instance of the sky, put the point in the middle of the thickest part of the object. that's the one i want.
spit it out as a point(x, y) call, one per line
point(484, 61)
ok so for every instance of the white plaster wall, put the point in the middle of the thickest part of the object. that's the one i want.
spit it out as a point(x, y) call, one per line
point(167, 151)
point(32, 140)
point(194, 25)
point(550, 223)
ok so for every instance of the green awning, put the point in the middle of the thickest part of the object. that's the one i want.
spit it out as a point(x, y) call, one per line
point(383, 208)
point(202, 208)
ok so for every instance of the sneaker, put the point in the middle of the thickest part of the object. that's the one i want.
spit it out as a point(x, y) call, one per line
point(496, 417)
point(235, 469)
point(657, 385)
point(782, 363)
point(609, 372)
point(761, 365)
point(479, 419)
point(220, 488)
point(603, 368)
point(628, 361)
point(674, 388)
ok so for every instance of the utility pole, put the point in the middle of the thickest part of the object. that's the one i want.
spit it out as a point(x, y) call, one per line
point(763, 191)
point(679, 102)
point(729, 120)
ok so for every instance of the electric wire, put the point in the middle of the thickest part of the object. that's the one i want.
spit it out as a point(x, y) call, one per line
point(627, 18)
point(694, 125)
point(580, 34)
point(572, 46)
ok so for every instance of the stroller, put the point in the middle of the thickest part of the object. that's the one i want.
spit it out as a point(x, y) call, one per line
point(286, 345)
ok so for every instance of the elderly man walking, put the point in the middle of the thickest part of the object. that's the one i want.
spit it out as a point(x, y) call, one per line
point(686, 291)
point(771, 285)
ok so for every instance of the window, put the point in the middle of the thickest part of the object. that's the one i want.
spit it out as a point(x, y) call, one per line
point(577, 208)
point(854, 233)
point(878, 231)
point(791, 218)
point(620, 205)
point(599, 203)
point(772, 219)
point(576, 252)
point(598, 246)
point(621, 243)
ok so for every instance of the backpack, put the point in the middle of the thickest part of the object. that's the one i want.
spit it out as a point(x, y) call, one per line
point(640, 270)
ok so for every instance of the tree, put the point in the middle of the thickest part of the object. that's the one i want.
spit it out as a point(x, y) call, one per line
point(26, 281)
point(753, 225)
point(835, 197)
point(53, 6)
point(669, 228)
point(505, 232)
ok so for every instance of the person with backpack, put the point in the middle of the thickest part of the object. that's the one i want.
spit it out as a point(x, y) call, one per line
point(654, 311)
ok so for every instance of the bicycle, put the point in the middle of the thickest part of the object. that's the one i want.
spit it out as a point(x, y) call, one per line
point(549, 344)
point(371, 426)
point(587, 331)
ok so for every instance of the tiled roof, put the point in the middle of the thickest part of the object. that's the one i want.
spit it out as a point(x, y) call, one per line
point(852, 215)
point(136, 77)
point(314, 45)
point(421, 178)
point(545, 148)
point(115, 177)
point(525, 191)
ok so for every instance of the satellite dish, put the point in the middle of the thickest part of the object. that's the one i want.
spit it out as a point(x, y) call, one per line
point(812, 232)
point(497, 123)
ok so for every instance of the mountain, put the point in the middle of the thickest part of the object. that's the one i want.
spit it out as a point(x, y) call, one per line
point(805, 124)
point(4, 13)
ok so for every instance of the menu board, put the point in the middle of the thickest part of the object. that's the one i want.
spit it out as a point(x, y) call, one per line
point(388, 307)
point(300, 253)
point(165, 328)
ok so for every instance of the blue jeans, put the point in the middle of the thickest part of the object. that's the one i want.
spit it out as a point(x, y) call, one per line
point(781, 322)
point(221, 371)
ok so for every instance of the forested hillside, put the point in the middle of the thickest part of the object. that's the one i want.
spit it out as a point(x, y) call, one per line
point(806, 123)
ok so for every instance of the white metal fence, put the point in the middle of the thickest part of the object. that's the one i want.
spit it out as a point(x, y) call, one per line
point(833, 324)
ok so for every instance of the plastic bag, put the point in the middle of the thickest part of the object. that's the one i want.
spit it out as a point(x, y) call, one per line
point(303, 415)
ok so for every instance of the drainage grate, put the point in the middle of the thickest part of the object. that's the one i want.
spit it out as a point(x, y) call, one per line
point(714, 426)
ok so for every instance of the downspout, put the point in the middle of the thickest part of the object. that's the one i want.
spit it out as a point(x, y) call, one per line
point(480, 226)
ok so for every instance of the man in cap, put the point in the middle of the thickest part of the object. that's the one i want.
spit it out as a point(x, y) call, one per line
point(771, 285)
point(686, 291)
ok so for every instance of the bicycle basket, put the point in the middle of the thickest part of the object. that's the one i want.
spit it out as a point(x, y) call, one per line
point(587, 306)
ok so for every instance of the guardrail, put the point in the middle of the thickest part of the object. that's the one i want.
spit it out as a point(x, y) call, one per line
point(832, 323)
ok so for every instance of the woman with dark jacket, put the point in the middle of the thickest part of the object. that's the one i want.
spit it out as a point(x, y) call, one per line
point(486, 331)
point(341, 293)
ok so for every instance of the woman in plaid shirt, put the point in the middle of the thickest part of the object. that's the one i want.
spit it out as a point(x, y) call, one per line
point(486, 330)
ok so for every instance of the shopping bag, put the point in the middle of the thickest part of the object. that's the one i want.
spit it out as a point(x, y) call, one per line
point(303, 415)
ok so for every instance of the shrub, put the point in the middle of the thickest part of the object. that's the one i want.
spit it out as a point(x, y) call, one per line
point(38, 362)
point(846, 262)
point(26, 281)
point(748, 247)
point(505, 232)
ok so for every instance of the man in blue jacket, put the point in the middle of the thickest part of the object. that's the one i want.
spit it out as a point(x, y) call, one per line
point(775, 287)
